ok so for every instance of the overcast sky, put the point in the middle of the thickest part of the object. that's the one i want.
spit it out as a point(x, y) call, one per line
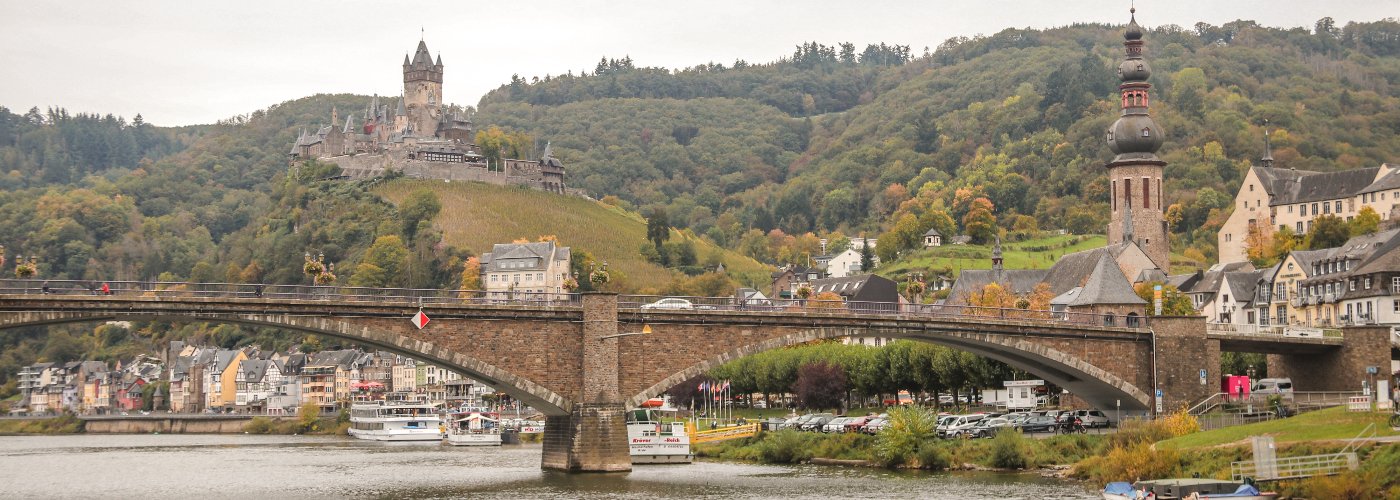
point(186, 62)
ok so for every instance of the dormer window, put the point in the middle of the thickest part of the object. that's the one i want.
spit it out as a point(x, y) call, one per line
point(1110, 136)
point(1146, 132)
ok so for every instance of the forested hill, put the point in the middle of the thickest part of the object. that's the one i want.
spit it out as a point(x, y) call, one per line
point(829, 140)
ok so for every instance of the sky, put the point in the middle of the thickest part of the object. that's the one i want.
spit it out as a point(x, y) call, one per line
point(190, 62)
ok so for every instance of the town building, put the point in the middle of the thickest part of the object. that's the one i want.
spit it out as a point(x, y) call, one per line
point(525, 268)
point(1273, 198)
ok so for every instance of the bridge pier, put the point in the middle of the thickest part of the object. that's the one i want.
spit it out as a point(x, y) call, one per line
point(1340, 369)
point(1183, 350)
point(593, 436)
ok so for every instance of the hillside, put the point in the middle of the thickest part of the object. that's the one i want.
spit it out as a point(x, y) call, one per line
point(475, 216)
point(1017, 117)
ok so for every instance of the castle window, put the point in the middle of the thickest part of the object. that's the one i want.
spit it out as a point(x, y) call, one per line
point(1113, 190)
point(1251, 188)
point(1128, 193)
point(1146, 193)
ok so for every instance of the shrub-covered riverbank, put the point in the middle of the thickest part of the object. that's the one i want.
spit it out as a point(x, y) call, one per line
point(1137, 451)
point(63, 424)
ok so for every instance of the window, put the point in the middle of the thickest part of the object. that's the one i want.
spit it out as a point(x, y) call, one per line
point(1351, 284)
point(1146, 193)
point(1339, 206)
point(1326, 208)
point(1314, 209)
point(1368, 282)
point(1300, 227)
point(1251, 188)
point(1127, 193)
point(1113, 190)
point(1227, 237)
point(1395, 284)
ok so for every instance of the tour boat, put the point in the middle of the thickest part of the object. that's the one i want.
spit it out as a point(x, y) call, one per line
point(473, 427)
point(1183, 489)
point(395, 421)
point(655, 442)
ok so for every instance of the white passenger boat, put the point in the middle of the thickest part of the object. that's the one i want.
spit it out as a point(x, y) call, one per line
point(653, 441)
point(1186, 489)
point(395, 421)
point(473, 427)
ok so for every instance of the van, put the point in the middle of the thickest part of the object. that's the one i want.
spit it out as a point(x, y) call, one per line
point(1272, 386)
point(959, 425)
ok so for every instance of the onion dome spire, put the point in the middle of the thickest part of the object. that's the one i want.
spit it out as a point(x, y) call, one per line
point(1135, 136)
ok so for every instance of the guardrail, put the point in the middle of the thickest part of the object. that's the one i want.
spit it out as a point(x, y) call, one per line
point(819, 307)
point(427, 296)
point(1294, 467)
point(721, 434)
point(1272, 331)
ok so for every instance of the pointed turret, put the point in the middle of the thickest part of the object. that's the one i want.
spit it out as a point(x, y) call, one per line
point(405, 61)
point(335, 116)
point(400, 111)
point(421, 58)
point(349, 124)
point(439, 59)
point(548, 151)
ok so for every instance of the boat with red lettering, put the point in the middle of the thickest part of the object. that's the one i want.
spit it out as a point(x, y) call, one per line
point(656, 438)
point(474, 427)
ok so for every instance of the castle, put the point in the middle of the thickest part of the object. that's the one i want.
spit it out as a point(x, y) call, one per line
point(420, 137)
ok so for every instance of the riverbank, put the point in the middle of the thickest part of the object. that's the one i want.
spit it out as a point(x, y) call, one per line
point(1171, 447)
point(64, 424)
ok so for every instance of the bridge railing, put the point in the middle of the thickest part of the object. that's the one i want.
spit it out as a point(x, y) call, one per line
point(432, 296)
point(828, 307)
point(162, 289)
point(1272, 331)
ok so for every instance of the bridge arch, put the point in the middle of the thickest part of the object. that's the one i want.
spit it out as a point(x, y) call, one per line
point(1097, 386)
point(525, 390)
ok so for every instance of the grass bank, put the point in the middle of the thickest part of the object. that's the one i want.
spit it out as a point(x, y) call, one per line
point(64, 424)
point(1332, 424)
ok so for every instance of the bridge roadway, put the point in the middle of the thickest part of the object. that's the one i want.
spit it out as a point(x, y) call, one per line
point(579, 359)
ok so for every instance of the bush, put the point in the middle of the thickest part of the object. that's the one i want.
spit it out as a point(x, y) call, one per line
point(1009, 450)
point(786, 446)
point(259, 425)
point(1139, 461)
point(1350, 485)
point(909, 429)
point(931, 456)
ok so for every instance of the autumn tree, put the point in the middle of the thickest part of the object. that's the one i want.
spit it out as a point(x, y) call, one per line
point(471, 274)
point(1174, 303)
point(992, 296)
point(1367, 221)
point(826, 300)
point(820, 385)
point(1327, 231)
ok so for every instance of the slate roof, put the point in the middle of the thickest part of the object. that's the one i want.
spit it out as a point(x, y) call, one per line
point(544, 251)
point(1379, 252)
point(254, 369)
point(343, 358)
point(1106, 285)
point(1020, 281)
point(1244, 284)
point(861, 287)
point(1321, 186)
point(1388, 182)
point(932, 232)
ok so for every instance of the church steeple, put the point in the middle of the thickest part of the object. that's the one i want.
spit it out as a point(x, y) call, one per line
point(1135, 174)
point(1268, 159)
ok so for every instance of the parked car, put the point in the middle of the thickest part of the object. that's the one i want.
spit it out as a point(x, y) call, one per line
point(988, 427)
point(817, 421)
point(795, 423)
point(1037, 424)
point(960, 425)
point(1092, 418)
point(1272, 386)
point(670, 303)
point(1016, 417)
point(856, 424)
point(874, 425)
point(836, 425)
point(773, 423)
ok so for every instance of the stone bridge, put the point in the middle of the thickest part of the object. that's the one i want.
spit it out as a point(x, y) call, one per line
point(581, 362)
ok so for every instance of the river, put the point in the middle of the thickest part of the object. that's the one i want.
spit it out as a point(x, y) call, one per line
point(303, 467)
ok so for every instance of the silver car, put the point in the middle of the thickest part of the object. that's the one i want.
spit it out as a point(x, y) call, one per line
point(670, 303)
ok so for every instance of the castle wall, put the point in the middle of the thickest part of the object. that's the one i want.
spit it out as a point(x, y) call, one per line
point(372, 165)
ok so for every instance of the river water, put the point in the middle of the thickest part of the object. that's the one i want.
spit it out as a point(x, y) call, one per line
point(303, 467)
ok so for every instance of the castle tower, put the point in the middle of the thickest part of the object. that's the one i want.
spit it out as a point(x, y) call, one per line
point(1135, 174)
point(422, 91)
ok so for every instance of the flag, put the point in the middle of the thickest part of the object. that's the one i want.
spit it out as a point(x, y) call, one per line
point(704, 386)
point(726, 386)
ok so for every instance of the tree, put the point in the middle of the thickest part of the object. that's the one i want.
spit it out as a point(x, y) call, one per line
point(980, 224)
point(827, 300)
point(420, 205)
point(382, 264)
point(1367, 221)
point(1328, 231)
point(992, 295)
point(820, 385)
point(867, 259)
point(471, 274)
point(1174, 303)
point(658, 228)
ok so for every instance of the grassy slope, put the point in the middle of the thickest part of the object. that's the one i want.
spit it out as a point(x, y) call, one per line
point(477, 215)
point(1323, 425)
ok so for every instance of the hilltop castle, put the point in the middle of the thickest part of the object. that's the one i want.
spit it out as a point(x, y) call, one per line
point(420, 137)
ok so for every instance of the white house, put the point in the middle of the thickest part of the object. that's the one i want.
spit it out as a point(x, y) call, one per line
point(525, 268)
point(846, 263)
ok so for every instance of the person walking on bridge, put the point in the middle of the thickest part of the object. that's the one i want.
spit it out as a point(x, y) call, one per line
point(106, 289)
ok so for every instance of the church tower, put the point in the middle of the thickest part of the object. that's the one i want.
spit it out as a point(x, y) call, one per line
point(1135, 174)
point(422, 91)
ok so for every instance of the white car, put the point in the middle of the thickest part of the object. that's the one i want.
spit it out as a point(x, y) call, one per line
point(670, 303)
